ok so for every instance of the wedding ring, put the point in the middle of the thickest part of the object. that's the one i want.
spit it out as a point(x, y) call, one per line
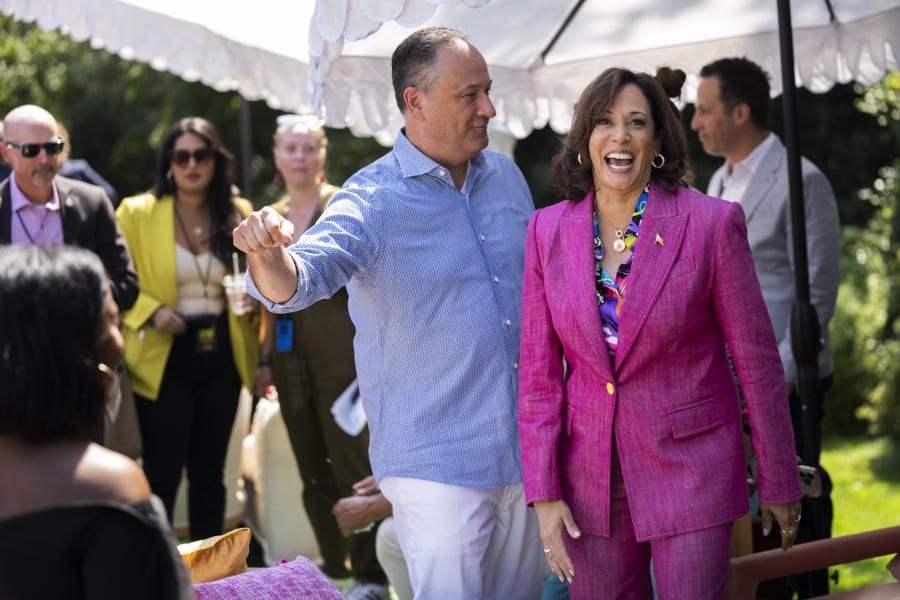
point(788, 531)
point(546, 550)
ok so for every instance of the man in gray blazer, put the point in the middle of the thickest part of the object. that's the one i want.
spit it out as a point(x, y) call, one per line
point(37, 206)
point(730, 119)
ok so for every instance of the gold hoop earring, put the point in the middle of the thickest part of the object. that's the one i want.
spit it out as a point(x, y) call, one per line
point(106, 370)
point(578, 158)
point(662, 161)
point(113, 400)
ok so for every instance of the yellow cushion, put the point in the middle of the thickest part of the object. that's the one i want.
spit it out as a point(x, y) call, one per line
point(218, 556)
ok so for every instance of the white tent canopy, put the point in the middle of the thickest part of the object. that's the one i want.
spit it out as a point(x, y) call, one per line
point(334, 55)
point(538, 76)
point(258, 49)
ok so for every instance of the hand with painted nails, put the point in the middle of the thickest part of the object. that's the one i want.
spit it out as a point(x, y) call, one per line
point(554, 516)
point(784, 516)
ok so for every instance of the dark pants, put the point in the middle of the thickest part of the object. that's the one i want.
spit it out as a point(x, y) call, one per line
point(189, 425)
point(309, 378)
point(817, 512)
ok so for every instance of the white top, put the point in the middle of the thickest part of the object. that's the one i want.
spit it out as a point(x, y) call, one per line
point(191, 271)
point(734, 184)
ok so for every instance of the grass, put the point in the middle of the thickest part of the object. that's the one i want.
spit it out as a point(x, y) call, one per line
point(866, 476)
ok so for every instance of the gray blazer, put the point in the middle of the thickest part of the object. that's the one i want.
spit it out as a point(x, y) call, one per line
point(766, 205)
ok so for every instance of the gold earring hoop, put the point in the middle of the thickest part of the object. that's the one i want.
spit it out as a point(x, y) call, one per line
point(106, 370)
point(662, 161)
point(578, 158)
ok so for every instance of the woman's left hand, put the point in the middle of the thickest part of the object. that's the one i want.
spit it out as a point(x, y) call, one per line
point(554, 516)
point(787, 517)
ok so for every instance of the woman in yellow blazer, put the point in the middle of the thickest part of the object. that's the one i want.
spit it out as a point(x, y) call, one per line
point(186, 351)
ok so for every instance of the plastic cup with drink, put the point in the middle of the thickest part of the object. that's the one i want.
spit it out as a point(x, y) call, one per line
point(236, 289)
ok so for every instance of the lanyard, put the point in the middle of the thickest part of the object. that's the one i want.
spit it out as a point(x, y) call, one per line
point(204, 278)
point(25, 227)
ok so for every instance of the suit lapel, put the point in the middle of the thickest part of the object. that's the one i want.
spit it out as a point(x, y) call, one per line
point(5, 212)
point(576, 240)
point(659, 241)
point(69, 212)
point(763, 179)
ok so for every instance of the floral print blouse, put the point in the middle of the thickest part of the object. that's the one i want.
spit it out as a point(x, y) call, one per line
point(611, 290)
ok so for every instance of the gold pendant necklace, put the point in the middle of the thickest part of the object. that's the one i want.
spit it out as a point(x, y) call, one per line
point(621, 232)
point(619, 244)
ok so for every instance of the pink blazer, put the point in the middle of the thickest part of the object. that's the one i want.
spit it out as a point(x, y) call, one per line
point(670, 403)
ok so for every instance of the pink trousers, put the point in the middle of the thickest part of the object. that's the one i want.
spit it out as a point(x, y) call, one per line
point(690, 566)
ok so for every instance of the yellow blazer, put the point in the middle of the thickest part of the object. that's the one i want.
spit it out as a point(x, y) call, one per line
point(148, 226)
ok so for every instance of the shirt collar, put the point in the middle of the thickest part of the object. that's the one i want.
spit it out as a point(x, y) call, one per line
point(18, 199)
point(413, 161)
point(752, 161)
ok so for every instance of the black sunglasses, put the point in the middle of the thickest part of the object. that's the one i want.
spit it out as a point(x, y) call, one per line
point(32, 150)
point(183, 157)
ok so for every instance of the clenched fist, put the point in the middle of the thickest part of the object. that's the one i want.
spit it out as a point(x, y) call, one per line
point(261, 230)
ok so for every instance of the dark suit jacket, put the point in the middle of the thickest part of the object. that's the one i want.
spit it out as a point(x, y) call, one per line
point(88, 221)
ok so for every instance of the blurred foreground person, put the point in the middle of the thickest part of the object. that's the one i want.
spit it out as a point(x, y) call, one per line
point(77, 521)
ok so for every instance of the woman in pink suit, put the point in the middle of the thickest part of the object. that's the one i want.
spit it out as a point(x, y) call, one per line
point(628, 411)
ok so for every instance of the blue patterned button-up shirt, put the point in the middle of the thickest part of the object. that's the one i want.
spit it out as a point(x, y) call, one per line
point(434, 276)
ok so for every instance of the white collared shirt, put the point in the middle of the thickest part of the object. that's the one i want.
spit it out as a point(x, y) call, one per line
point(734, 184)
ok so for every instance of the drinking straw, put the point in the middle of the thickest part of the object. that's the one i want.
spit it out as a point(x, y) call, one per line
point(235, 264)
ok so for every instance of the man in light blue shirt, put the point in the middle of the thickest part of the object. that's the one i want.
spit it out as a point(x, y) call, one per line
point(429, 241)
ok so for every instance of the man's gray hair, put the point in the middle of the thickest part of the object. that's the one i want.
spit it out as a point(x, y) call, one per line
point(411, 61)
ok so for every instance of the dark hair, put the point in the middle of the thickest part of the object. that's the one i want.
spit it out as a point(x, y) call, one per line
point(220, 195)
point(742, 80)
point(412, 60)
point(52, 303)
point(573, 180)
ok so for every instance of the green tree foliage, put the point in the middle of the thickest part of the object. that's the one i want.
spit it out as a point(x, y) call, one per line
point(866, 327)
point(116, 111)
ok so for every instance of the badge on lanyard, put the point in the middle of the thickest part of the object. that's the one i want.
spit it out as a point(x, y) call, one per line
point(284, 335)
point(206, 339)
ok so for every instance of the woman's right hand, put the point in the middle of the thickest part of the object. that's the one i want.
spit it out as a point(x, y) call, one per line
point(553, 516)
point(168, 320)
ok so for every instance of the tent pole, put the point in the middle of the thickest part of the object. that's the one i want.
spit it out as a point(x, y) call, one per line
point(806, 339)
point(562, 28)
point(245, 148)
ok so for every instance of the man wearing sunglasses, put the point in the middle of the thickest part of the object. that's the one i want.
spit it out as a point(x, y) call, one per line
point(37, 206)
